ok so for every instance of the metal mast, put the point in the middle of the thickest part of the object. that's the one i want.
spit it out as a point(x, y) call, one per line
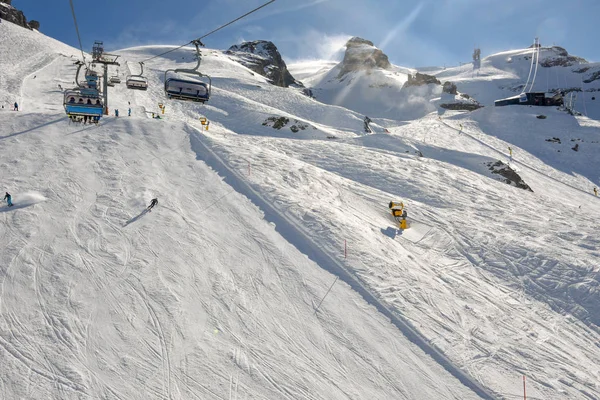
point(100, 57)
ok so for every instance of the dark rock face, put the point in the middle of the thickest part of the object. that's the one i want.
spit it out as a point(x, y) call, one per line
point(449, 88)
point(281, 122)
point(510, 176)
point(421, 79)
point(361, 54)
point(593, 77)
point(562, 58)
point(11, 14)
point(262, 57)
point(461, 106)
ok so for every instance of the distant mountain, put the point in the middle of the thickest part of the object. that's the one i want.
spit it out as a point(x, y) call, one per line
point(262, 57)
point(11, 14)
point(366, 82)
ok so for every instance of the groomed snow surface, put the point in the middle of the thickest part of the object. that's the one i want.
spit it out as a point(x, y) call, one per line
point(218, 292)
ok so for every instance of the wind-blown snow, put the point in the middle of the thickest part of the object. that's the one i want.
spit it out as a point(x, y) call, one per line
point(213, 294)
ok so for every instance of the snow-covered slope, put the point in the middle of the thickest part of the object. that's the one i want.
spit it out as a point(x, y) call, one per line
point(214, 294)
point(504, 74)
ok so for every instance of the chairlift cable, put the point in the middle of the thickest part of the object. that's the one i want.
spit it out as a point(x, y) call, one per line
point(211, 32)
point(537, 63)
point(583, 96)
point(77, 30)
point(235, 20)
point(530, 68)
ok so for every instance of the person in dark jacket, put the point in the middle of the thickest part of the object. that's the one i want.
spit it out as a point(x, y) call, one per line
point(153, 202)
point(8, 199)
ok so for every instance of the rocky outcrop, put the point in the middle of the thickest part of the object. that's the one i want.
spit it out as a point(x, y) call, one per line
point(362, 55)
point(11, 14)
point(421, 79)
point(449, 88)
point(593, 77)
point(560, 58)
point(510, 175)
point(281, 122)
point(461, 106)
point(262, 57)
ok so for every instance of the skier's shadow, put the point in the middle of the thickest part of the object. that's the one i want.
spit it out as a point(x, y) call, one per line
point(14, 207)
point(140, 215)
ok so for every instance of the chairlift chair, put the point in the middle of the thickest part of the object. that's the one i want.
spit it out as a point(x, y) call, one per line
point(83, 102)
point(85, 99)
point(186, 89)
point(138, 82)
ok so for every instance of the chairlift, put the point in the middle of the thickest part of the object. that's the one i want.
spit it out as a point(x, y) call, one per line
point(85, 99)
point(114, 79)
point(138, 82)
point(186, 89)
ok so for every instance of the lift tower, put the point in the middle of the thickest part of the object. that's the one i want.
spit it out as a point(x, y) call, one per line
point(100, 57)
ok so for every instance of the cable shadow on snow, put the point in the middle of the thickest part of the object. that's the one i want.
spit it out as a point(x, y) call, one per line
point(137, 217)
point(31, 129)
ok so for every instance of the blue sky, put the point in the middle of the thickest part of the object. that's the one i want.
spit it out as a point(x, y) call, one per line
point(412, 33)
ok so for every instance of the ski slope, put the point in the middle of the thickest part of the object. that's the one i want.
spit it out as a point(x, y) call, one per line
point(212, 295)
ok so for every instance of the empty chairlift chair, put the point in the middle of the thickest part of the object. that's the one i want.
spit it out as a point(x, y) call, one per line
point(138, 82)
point(188, 89)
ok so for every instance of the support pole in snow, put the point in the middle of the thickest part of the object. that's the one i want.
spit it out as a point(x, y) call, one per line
point(345, 249)
point(524, 391)
point(329, 290)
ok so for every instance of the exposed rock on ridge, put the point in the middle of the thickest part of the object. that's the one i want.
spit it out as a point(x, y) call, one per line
point(561, 58)
point(361, 54)
point(11, 14)
point(421, 79)
point(262, 57)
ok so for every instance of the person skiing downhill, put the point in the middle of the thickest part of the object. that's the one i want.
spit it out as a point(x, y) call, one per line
point(153, 202)
point(8, 199)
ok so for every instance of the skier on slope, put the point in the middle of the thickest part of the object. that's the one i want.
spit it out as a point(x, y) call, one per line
point(153, 202)
point(8, 199)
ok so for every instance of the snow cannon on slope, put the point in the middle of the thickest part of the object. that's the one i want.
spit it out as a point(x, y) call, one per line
point(399, 214)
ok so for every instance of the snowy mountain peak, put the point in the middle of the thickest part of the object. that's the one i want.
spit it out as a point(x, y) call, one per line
point(262, 57)
point(361, 54)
